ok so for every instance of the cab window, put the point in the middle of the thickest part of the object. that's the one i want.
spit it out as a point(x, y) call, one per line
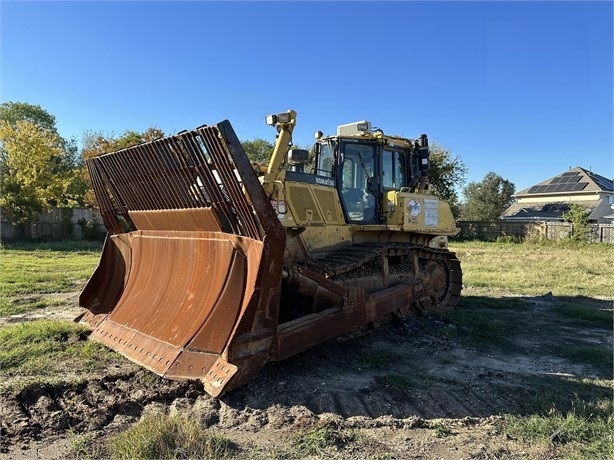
point(325, 161)
point(393, 176)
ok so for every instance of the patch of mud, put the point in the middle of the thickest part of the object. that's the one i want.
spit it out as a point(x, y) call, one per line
point(395, 385)
point(68, 309)
point(106, 403)
point(41, 414)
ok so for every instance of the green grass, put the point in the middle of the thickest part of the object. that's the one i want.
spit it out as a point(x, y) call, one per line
point(589, 314)
point(169, 437)
point(80, 442)
point(572, 416)
point(482, 320)
point(28, 273)
point(17, 305)
point(324, 439)
point(533, 269)
point(505, 325)
point(504, 322)
point(583, 436)
point(46, 348)
point(548, 394)
point(441, 430)
point(595, 355)
point(499, 303)
point(44, 270)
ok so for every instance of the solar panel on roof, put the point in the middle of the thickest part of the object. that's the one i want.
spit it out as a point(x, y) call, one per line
point(556, 180)
point(570, 173)
point(570, 180)
point(579, 186)
point(570, 183)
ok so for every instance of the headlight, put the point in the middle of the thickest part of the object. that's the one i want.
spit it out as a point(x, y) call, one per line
point(283, 117)
point(271, 120)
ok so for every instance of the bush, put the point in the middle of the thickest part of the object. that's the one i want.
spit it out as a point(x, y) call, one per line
point(578, 216)
point(91, 230)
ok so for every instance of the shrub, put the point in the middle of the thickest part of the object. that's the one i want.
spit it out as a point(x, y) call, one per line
point(91, 230)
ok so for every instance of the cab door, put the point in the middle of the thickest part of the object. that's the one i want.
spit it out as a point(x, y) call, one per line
point(358, 182)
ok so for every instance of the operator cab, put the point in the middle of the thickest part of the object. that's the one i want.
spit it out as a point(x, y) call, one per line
point(365, 164)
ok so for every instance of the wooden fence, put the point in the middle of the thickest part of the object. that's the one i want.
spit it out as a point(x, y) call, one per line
point(57, 224)
point(531, 230)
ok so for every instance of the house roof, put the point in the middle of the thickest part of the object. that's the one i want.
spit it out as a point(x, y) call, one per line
point(544, 210)
point(576, 181)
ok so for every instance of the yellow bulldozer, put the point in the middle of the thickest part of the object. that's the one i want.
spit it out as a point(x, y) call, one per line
point(213, 265)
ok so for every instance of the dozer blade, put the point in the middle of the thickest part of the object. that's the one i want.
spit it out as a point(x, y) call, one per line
point(189, 277)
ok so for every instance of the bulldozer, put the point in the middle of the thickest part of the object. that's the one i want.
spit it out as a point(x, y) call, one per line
point(214, 266)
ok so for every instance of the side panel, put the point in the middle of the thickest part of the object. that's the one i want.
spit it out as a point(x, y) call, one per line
point(309, 204)
point(419, 213)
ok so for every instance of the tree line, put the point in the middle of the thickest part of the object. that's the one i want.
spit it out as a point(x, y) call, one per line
point(40, 169)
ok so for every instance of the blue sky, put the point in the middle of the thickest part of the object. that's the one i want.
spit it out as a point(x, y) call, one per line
point(523, 89)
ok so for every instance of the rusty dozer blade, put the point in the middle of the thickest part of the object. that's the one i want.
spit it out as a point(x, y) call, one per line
point(189, 277)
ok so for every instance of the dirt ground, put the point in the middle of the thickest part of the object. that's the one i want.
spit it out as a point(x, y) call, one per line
point(412, 390)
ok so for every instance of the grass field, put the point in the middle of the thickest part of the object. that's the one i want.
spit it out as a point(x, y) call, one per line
point(29, 272)
point(536, 269)
point(501, 281)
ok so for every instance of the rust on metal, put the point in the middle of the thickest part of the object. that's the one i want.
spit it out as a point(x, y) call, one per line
point(192, 259)
point(107, 283)
point(220, 373)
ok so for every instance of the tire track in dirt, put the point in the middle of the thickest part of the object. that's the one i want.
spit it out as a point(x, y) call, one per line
point(334, 382)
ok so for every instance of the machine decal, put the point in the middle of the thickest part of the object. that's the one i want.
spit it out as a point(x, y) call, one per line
point(414, 208)
point(325, 181)
point(431, 213)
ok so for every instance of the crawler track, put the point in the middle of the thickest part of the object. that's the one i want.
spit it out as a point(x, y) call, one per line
point(386, 264)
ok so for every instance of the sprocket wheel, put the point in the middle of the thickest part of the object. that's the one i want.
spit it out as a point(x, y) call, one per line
point(437, 283)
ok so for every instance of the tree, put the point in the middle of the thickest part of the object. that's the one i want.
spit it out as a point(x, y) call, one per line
point(486, 200)
point(97, 143)
point(33, 173)
point(258, 150)
point(447, 172)
point(64, 164)
point(578, 217)
point(12, 112)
